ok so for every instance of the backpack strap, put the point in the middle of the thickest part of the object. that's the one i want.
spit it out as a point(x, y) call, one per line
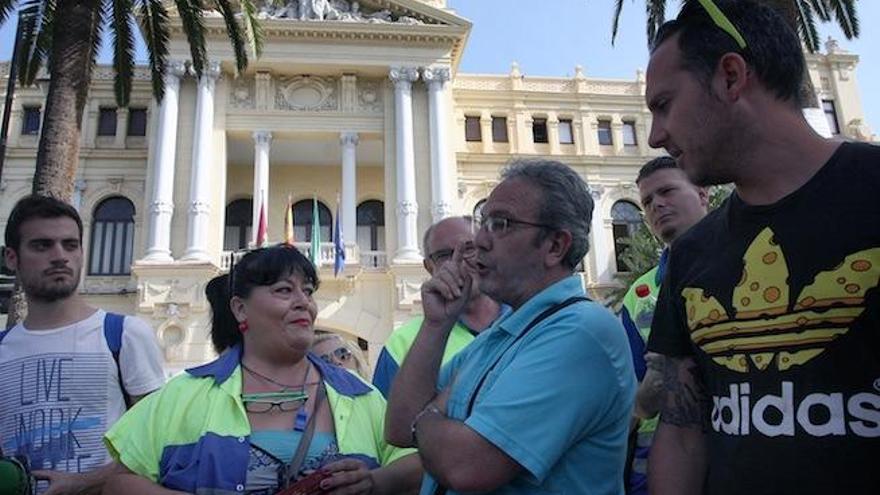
point(113, 326)
point(4, 333)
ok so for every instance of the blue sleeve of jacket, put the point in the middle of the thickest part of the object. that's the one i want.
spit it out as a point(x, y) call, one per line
point(636, 344)
point(386, 369)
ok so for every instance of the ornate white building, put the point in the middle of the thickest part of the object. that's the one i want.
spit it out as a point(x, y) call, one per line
point(361, 106)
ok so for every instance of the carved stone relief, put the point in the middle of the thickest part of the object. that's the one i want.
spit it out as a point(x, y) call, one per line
point(328, 10)
point(306, 93)
point(242, 94)
point(370, 96)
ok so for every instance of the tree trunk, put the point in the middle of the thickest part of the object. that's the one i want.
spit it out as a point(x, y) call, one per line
point(70, 72)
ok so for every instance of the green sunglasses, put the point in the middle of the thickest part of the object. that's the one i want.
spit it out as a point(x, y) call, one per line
point(723, 22)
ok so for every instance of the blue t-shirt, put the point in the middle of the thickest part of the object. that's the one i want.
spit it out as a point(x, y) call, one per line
point(559, 400)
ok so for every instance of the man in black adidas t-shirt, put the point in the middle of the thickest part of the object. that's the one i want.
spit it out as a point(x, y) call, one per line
point(769, 316)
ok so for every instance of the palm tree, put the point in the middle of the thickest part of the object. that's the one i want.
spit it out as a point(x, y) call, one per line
point(65, 35)
point(800, 14)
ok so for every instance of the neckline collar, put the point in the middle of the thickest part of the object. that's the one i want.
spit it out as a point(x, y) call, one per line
point(225, 365)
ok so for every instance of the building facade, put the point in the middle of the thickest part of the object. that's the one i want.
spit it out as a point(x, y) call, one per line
point(360, 108)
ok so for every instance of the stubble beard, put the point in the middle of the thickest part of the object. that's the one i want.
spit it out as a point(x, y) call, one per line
point(50, 292)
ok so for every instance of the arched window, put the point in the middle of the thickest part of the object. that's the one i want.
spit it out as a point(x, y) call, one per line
point(625, 219)
point(478, 209)
point(371, 225)
point(302, 221)
point(238, 224)
point(112, 237)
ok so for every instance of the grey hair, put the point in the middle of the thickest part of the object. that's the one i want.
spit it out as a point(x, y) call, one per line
point(566, 201)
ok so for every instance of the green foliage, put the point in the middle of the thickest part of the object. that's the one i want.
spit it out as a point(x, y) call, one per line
point(643, 250)
point(642, 253)
point(843, 12)
point(118, 18)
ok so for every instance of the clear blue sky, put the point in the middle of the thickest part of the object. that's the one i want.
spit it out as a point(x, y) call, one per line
point(550, 37)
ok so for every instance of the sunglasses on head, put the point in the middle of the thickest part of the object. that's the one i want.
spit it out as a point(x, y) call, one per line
point(340, 354)
point(723, 22)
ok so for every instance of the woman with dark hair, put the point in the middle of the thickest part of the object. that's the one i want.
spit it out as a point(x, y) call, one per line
point(266, 413)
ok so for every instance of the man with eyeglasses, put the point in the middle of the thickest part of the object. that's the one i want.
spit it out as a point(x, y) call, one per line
point(768, 320)
point(439, 243)
point(540, 402)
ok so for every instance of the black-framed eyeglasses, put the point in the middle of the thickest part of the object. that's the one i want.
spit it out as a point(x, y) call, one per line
point(265, 402)
point(500, 225)
point(340, 354)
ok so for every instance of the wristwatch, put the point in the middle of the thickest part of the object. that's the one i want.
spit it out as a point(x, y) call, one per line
point(429, 409)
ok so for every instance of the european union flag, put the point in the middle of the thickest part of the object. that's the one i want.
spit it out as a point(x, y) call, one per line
point(339, 264)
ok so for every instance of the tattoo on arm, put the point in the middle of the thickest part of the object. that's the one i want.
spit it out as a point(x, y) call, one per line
point(686, 403)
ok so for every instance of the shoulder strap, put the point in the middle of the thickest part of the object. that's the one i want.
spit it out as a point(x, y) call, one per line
point(113, 327)
point(303, 448)
point(440, 489)
point(538, 319)
point(4, 333)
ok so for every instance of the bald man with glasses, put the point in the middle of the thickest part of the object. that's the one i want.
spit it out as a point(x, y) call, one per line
point(439, 244)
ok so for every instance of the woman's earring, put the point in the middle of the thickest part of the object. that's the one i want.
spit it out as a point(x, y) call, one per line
point(243, 326)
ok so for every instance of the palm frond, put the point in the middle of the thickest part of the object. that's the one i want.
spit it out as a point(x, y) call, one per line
point(154, 21)
point(806, 25)
point(123, 51)
point(656, 10)
point(190, 12)
point(818, 7)
point(252, 27)
point(99, 23)
point(618, 7)
point(6, 8)
point(845, 15)
point(36, 35)
point(235, 33)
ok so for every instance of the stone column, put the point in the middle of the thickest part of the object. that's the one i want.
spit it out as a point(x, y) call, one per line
point(553, 133)
point(162, 201)
point(441, 163)
point(407, 208)
point(486, 131)
point(600, 241)
point(617, 134)
point(202, 163)
point(121, 127)
point(79, 185)
point(349, 142)
point(262, 140)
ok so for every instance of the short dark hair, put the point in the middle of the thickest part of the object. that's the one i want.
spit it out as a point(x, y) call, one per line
point(37, 206)
point(659, 163)
point(772, 49)
point(566, 201)
point(259, 267)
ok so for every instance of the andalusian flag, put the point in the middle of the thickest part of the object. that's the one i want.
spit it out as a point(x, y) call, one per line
point(315, 252)
point(288, 223)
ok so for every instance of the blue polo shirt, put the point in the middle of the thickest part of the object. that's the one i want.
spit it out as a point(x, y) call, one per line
point(559, 400)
